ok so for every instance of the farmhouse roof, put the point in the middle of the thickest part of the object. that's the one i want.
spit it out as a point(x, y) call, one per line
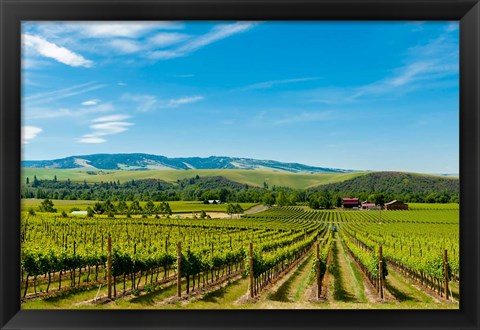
point(393, 202)
point(368, 204)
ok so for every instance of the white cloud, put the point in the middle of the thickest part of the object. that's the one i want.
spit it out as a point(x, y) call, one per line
point(108, 125)
point(112, 29)
point(29, 133)
point(110, 118)
point(58, 53)
point(109, 128)
point(173, 103)
point(91, 102)
point(90, 138)
point(219, 32)
point(167, 39)
point(126, 46)
point(272, 83)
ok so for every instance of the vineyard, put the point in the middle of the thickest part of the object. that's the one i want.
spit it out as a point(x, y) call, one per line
point(283, 257)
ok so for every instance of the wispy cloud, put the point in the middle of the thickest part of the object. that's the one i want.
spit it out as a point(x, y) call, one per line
point(49, 113)
point(272, 83)
point(183, 75)
point(417, 26)
point(33, 63)
point(126, 46)
point(167, 39)
point(303, 117)
point(106, 29)
point(58, 53)
point(29, 133)
point(452, 26)
point(49, 97)
point(91, 102)
point(429, 62)
point(424, 67)
point(146, 103)
point(108, 128)
point(143, 102)
point(219, 32)
point(90, 138)
point(104, 126)
point(110, 118)
point(154, 40)
point(58, 91)
point(228, 122)
point(174, 103)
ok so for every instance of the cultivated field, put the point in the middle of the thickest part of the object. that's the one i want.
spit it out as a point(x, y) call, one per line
point(65, 262)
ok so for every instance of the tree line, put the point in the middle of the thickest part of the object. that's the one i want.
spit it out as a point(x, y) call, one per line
point(197, 188)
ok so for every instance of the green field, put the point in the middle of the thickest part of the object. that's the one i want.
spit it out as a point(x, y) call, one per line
point(176, 206)
point(253, 178)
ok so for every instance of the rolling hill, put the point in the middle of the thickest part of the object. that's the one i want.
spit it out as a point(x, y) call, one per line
point(394, 183)
point(254, 178)
point(140, 161)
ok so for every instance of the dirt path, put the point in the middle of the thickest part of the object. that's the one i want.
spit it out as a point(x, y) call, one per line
point(256, 209)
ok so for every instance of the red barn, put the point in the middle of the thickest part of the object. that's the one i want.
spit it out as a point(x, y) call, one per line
point(349, 203)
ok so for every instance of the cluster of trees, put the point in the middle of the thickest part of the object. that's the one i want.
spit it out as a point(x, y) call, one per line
point(121, 207)
point(193, 189)
point(110, 208)
point(234, 209)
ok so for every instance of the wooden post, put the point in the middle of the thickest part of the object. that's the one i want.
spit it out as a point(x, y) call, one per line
point(445, 272)
point(109, 261)
point(317, 271)
point(251, 270)
point(179, 264)
point(380, 271)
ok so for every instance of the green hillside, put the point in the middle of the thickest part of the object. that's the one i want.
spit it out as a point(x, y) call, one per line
point(250, 177)
point(401, 185)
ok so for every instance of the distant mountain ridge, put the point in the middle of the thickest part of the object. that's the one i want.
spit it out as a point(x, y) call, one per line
point(141, 161)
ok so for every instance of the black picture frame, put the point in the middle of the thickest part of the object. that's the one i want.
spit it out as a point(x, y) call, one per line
point(467, 12)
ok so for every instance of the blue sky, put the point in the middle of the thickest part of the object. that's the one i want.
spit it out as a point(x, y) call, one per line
point(354, 95)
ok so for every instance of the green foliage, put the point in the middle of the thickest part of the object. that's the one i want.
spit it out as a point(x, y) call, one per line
point(234, 209)
point(381, 187)
point(47, 206)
